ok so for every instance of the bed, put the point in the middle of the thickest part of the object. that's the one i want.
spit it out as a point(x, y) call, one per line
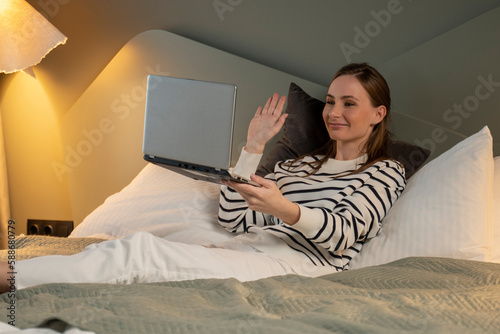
point(434, 267)
point(412, 295)
point(396, 284)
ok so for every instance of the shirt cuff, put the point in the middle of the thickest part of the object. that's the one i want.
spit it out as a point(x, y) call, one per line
point(310, 221)
point(247, 164)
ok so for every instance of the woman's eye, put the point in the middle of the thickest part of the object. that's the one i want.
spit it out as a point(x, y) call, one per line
point(349, 104)
point(330, 102)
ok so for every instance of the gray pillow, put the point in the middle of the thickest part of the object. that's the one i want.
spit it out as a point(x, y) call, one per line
point(304, 132)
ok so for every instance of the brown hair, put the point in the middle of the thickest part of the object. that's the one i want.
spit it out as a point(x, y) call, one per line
point(376, 145)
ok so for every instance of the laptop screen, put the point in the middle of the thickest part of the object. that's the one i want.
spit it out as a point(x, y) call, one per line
point(189, 120)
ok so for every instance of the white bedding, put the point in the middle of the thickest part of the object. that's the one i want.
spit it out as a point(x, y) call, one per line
point(446, 210)
point(160, 202)
point(496, 212)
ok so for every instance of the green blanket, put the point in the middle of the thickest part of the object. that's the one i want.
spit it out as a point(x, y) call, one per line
point(412, 295)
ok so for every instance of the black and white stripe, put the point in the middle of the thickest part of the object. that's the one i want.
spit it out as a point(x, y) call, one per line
point(351, 209)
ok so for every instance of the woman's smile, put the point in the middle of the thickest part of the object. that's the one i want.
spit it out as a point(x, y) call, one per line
point(337, 126)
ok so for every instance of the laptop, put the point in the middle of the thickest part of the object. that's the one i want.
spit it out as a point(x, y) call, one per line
point(188, 127)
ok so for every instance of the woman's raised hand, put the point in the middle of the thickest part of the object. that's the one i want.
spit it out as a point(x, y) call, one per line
point(266, 123)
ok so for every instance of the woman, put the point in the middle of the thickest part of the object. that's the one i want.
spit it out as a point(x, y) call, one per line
point(322, 206)
point(309, 217)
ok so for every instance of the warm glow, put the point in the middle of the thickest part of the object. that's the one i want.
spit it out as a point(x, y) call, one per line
point(32, 139)
point(25, 36)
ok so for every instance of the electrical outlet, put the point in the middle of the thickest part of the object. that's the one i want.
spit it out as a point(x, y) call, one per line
point(55, 228)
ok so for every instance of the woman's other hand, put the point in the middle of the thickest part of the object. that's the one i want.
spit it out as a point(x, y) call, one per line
point(266, 199)
point(266, 123)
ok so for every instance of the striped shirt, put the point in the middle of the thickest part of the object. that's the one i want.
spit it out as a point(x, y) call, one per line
point(338, 212)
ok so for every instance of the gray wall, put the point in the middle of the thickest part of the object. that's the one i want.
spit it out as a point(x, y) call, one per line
point(433, 53)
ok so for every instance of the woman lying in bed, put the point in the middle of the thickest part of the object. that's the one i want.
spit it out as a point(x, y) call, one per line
point(309, 217)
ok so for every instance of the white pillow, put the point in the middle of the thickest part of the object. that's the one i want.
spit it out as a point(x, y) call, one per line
point(496, 212)
point(160, 202)
point(445, 210)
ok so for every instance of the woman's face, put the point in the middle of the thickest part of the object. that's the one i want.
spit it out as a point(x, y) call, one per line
point(348, 112)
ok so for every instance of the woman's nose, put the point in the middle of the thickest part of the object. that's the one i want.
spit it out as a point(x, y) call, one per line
point(334, 112)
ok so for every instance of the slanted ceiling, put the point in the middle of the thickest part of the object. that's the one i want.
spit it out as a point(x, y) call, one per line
point(309, 39)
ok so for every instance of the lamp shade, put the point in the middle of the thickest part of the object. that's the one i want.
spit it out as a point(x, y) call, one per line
point(26, 37)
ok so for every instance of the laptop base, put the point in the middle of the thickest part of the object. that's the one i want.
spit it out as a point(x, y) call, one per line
point(197, 172)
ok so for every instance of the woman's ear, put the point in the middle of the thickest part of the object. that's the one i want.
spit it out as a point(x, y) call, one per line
point(380, 113)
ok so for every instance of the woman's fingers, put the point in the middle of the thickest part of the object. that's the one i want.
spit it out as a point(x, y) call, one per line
point(273, 105)
point(281, 104)
point(262, 181)
point(259, 111)
point(266, 106)
point(277, 105)
point(279, 124)
point(265, 199)
point(248, 190)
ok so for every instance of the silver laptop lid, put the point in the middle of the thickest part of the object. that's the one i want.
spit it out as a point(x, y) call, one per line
point(189, 120)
